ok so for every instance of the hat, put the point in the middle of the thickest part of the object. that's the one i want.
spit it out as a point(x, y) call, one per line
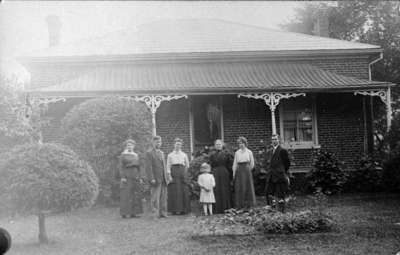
point(205, 168)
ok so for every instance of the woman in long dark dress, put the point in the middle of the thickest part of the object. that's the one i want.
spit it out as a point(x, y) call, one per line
point(129, 172)
point(178, 190)
point(221, 164)
point(243, 163)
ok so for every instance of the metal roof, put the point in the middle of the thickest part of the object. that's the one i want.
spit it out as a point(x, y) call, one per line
point(197, 36)
point(205, 78)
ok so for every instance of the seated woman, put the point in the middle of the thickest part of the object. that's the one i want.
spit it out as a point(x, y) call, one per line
point(129, 172)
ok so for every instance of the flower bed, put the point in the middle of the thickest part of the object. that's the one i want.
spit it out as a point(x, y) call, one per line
point(267, 221)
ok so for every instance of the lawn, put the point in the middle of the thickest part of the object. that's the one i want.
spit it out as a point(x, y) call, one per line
point(366, 226)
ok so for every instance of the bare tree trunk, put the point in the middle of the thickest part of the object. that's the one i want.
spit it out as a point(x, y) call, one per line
point(42, 229)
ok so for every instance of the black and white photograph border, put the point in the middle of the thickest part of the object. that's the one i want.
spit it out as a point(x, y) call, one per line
point(199, 127)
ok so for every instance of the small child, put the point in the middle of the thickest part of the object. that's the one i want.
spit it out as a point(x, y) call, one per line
point(206, 182)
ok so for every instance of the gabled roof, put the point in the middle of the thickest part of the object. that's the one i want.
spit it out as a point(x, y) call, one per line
point(198, 36)
point(205, 78)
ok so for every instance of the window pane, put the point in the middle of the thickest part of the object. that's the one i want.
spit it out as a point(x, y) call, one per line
point(297, 122)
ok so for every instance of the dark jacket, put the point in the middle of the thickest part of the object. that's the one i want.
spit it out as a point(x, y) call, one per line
point(156, 167)
point(278, 165)
point(129, 166)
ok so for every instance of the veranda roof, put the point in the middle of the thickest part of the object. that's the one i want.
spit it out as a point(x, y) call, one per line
point(196, 78)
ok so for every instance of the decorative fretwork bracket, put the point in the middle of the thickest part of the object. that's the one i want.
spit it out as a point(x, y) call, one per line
point(46, 100)
point(153, 102)
point(271, 99)
point(385, 96)
point(382, 94)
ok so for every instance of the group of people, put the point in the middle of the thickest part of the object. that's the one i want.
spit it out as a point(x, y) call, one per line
point(217, 178)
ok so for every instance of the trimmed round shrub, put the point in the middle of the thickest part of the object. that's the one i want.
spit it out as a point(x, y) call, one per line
point(39, 178)
point(327, 174)
point(96, 129)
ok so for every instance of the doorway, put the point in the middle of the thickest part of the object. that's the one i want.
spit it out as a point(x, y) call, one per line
point(207, 114)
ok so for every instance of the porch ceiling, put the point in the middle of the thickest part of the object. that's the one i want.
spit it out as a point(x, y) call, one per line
point(192, 78)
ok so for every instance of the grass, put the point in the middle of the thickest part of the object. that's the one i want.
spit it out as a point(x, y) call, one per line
point(366, 226)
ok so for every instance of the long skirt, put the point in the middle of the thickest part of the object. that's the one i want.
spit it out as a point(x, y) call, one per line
point(244, 188)
point(130, 199)
point(178, 191)
point(222, 190)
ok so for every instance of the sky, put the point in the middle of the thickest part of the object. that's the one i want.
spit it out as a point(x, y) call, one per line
point(23, 27)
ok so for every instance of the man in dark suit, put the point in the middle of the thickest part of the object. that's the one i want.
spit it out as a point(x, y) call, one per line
point(159, 178)
point(277, 181)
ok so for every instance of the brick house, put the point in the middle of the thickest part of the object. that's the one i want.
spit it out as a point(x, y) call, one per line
point(208, 79)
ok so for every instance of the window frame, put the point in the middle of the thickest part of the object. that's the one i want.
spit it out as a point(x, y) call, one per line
point(305, 144)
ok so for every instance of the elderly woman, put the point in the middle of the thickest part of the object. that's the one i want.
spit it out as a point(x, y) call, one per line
point(243, 163)
point(129, 172)
point(178, 191)
point(221, 164)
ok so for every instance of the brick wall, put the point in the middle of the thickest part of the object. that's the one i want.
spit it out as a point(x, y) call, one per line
point(172, 120)
point(246, 117)
point(340, 126)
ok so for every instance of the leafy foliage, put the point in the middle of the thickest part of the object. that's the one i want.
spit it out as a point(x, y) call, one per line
point(373, 22)
point(327, 174)
point(368, 176)
point(96, 130)
point(269, 221)
point(36, 177)
point(391, 164)
point(19, 123)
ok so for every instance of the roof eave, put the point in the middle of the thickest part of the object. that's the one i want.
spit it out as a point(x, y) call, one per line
point(178, 56)
point(208, 91)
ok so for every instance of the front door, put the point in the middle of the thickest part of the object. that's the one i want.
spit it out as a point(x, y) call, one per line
point(207, 120)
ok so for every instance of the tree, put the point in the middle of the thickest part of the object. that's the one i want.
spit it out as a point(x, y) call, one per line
point(20, 122)
point(41, 178)
point(96, 130)
point(373, 22)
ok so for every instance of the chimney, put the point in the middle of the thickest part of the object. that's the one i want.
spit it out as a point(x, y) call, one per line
point(54, 29)
point(321, 24)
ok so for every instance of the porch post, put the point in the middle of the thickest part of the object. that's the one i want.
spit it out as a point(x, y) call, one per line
point(389, 108)
point(153, 102)
point(272, 100)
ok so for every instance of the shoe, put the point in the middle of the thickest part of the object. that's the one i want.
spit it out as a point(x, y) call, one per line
point(163, 216)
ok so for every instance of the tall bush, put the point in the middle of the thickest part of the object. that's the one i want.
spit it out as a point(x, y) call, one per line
point(96, 130)
point(327, 174)
point(39, 178)
point(391, 165)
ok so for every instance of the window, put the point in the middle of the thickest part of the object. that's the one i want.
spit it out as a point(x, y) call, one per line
point(297, 122)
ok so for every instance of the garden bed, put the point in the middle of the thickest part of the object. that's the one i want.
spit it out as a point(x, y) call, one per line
point(262, 220)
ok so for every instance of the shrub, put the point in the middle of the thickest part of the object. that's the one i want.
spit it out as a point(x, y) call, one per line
point(96, 130)
point(367, 177)
point(200, 157)
point(46, 177)
point(391, 171)
point(327, 174)
point(391, 166)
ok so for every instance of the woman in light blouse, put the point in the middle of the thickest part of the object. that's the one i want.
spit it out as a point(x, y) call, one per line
point(243, 163)
point(178, 191)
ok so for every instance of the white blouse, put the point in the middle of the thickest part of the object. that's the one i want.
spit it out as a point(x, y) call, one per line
point(177, 158)
point(243, 156)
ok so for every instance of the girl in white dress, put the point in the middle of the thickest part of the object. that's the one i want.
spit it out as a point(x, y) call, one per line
point(206, 182)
